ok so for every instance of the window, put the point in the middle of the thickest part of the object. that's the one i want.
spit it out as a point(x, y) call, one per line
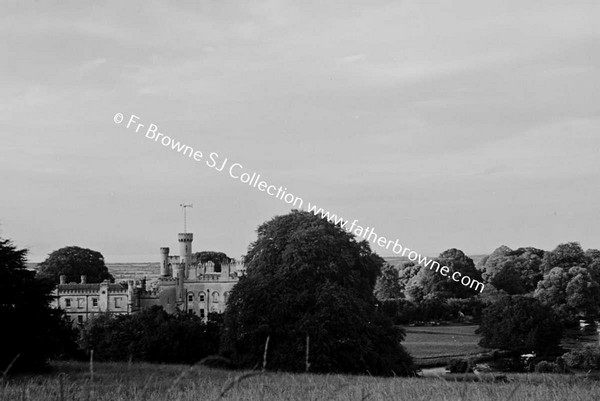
point(215, 297)
point(80, 303)
point(225, 296)
point(202, 313)
point(94, 301)
point(68, 302)
point(79, 319)
point(190, 310)
point(117, 302)
point(191, 297)
point(201, 297)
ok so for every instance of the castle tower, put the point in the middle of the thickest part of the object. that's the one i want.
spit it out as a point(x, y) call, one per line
point(185, 250)
point(164, 262)
point(179, 268)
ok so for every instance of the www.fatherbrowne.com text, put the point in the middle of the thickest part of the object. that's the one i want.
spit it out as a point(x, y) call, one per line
point(253, 179)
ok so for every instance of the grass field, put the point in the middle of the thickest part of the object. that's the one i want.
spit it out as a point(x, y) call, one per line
point(123, 382)
point(425, 343)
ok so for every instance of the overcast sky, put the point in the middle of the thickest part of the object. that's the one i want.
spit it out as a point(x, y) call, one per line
point(465, 124)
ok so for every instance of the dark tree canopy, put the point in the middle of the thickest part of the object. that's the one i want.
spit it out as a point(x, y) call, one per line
point(73, 262)
point(388, 284)
point(31, 329)
point(307, 277)
point(430, 283)
point(564, 256)
point(516, 272)
point(217, 258)
point(521, 325)
point(151, 335)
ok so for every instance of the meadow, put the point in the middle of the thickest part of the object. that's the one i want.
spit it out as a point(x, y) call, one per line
point(148, 382)
point(433, 345)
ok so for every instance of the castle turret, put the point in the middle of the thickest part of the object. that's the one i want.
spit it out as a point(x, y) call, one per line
point(180, 289)
point(185, 250)
point(164, 262)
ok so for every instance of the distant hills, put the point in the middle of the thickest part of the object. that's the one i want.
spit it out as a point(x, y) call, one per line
point(137, 271)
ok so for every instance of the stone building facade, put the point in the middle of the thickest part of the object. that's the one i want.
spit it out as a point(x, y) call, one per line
point(184, 284)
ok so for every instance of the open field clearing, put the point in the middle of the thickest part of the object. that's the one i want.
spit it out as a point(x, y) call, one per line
point(123, 382)
point(442, 341)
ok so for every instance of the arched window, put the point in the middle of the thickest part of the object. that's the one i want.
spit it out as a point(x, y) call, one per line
point(201, 297)
point(225, 296)
point(215, 297)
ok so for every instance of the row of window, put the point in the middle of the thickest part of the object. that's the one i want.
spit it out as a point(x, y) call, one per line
point(202, 297)
point(202, 312)
point(81, 302)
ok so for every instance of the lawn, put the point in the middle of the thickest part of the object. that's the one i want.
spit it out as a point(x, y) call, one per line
point(137, 382)
point(441, 341)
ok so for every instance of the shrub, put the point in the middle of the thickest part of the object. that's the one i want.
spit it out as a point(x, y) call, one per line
point(459, 366)
point(547, 367)
point(586, 358)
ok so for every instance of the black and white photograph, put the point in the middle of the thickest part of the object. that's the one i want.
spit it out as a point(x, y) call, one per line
point(299, 200)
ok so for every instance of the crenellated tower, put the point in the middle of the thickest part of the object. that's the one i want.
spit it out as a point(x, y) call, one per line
point(185, 251)
point(164, 262)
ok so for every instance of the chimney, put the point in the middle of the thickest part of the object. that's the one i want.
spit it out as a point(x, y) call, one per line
point(63, 279)
point(83, 279)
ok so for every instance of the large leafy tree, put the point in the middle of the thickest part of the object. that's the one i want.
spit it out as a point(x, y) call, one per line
point(564, 256)
point(573, 293)
point(388, 284)
point(570, 283)
point(308, 279)
point(516, 272)
point(520, 325)
point(73, 262)
point(32, 331)
point(430, 283)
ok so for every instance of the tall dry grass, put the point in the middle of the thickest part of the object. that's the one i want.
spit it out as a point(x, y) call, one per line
point(149, 382)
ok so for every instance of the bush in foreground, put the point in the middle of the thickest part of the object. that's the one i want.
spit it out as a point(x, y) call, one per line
point(587, 358)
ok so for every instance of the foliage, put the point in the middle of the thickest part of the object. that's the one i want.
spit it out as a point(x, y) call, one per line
point(73, 262)
point(587, 357)
point(521, 325)
point(515, 272)
point(388, 284)
point(564, 256)
point(308, 278)
point(216, 257)
point(572, 293)
point(151, 335)
point(458, 365)
point(547, 367)
point(31, 329)
point(429, 282)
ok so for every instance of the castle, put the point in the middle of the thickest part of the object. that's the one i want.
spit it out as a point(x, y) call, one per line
point(185, 283)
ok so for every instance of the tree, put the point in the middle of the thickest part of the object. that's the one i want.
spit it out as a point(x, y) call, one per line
point(73, 262)
point(217, 258)
point(151, 335)
point(388, 284)
point(308, 280)
point(516, 272)
point(32, 331)
point(572, 293)
point(428, 282)
point(564, 256)
point(520, 325)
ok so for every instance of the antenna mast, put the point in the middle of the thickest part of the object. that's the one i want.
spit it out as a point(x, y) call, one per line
point(184, 207)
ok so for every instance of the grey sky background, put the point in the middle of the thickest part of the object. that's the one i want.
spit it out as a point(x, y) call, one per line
point(466, 124)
